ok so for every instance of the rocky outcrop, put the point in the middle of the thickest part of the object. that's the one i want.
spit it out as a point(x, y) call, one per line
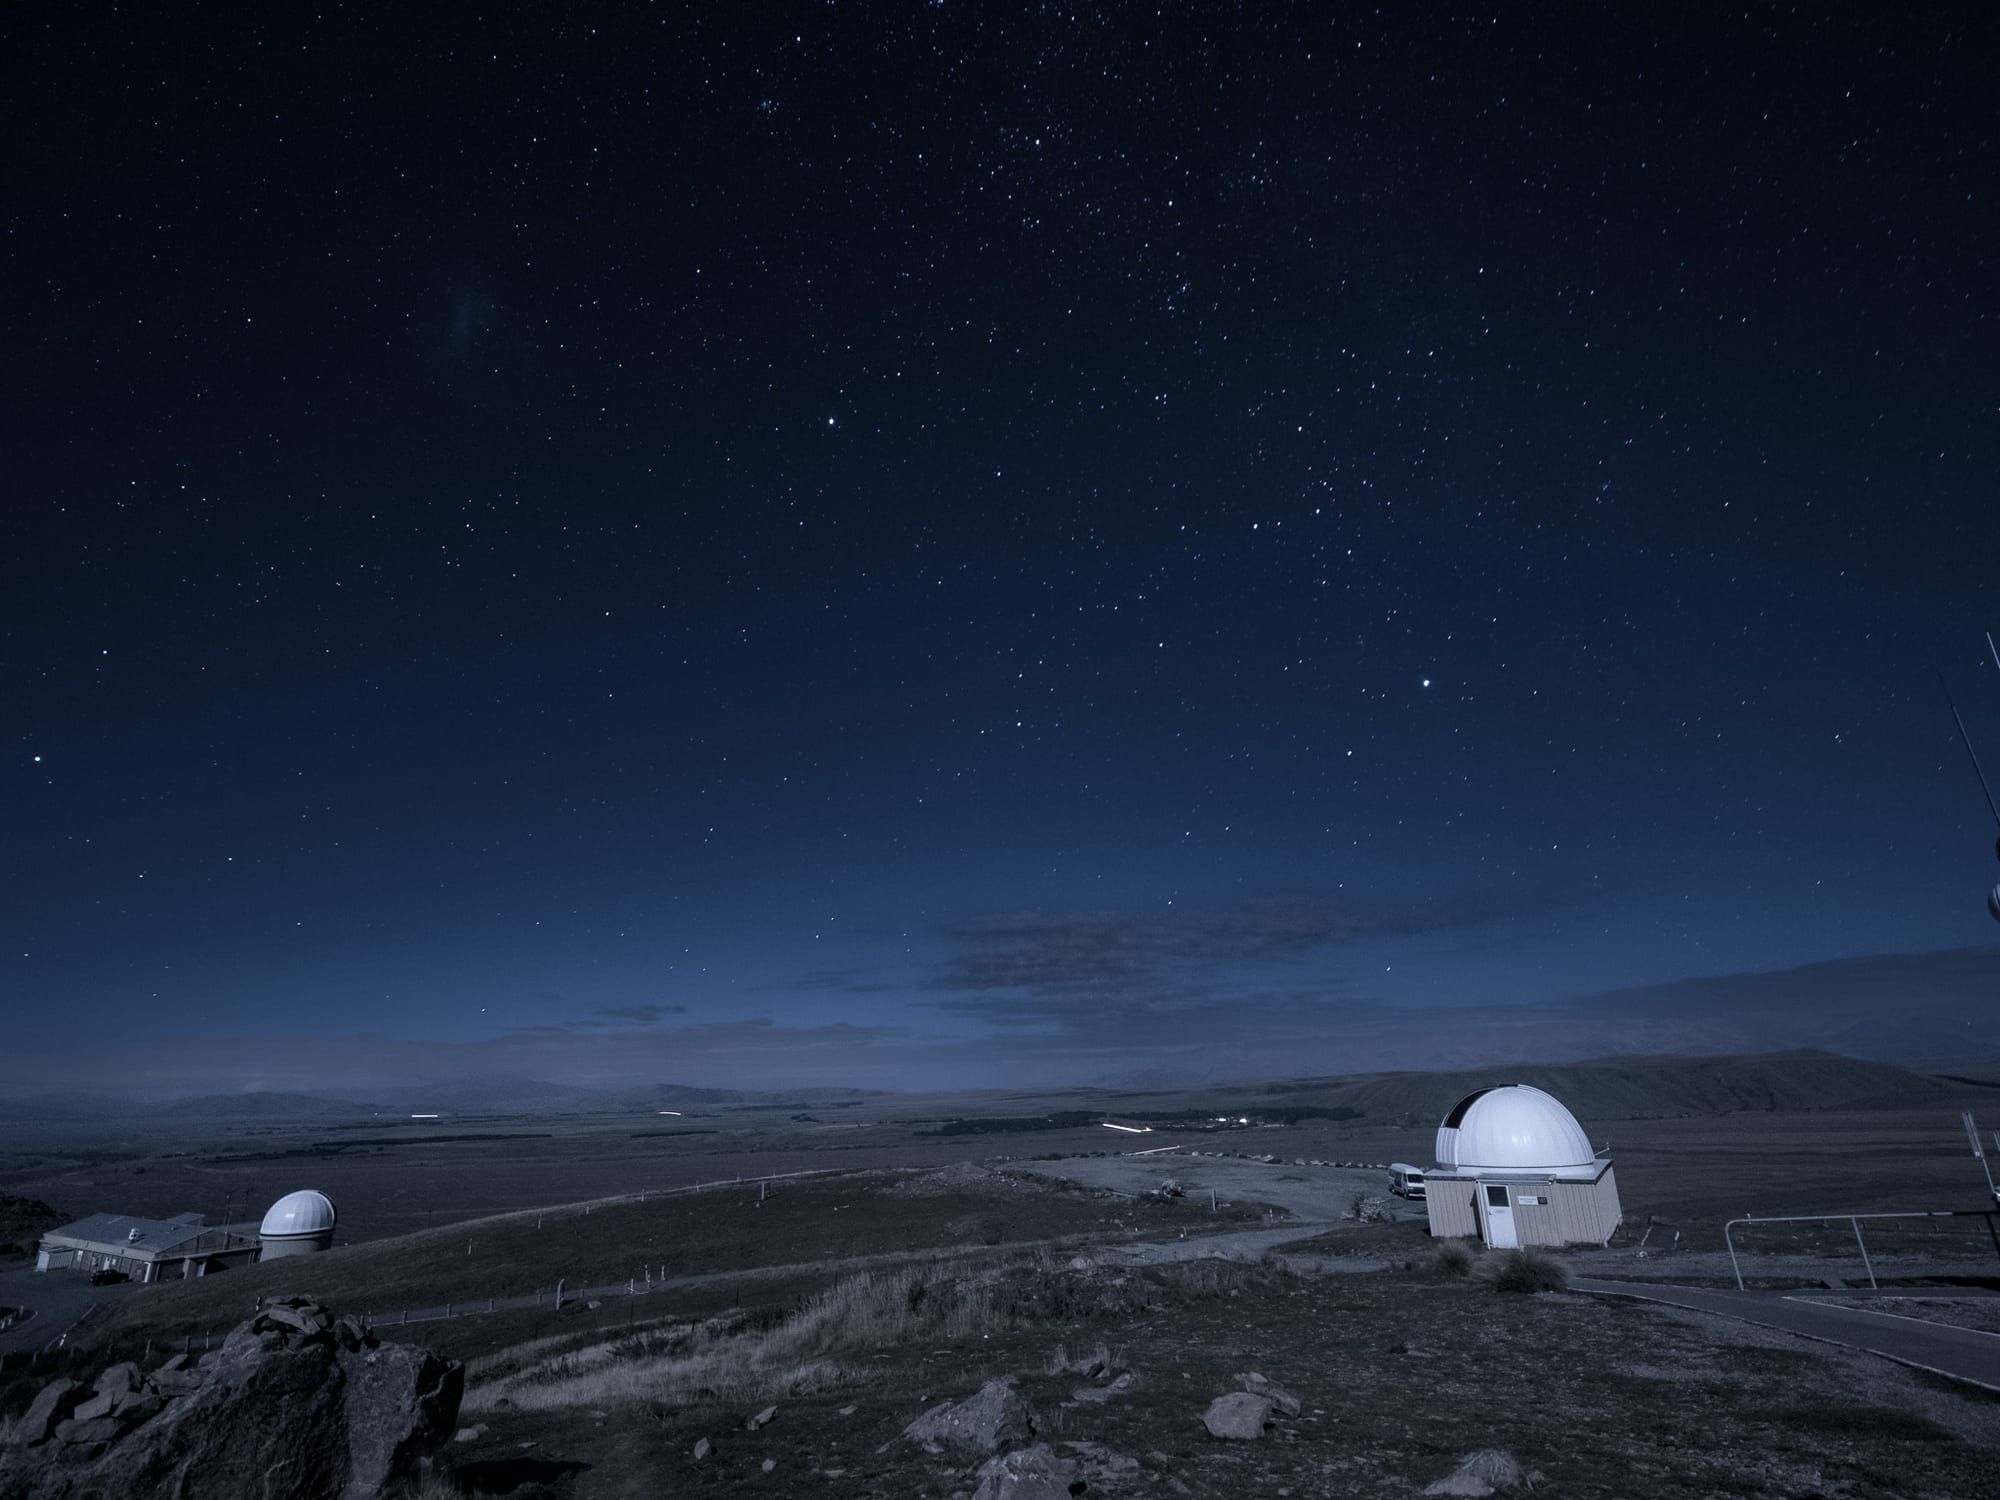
point(991, 1420)
point(294, 1406)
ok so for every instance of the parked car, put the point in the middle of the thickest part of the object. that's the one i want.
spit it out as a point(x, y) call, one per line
point(108, 1277)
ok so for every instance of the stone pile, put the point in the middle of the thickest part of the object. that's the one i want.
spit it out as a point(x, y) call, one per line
point(297, 1404)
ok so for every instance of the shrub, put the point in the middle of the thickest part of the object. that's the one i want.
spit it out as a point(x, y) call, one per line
point(1526, 1271)
point(1453, 1258)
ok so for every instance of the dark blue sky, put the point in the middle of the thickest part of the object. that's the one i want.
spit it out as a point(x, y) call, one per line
point(938, 544)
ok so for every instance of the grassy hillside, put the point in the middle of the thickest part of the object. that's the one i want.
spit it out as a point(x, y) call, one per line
point(818, 1220)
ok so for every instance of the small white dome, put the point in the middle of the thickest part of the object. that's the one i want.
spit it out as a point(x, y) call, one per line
point(303, 1212)
point(1517, 1128)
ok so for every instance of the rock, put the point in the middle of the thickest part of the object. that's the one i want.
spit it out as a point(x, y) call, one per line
point(848, 1411)
point(991, 1420)
point(1098, 1394)
point(770, 1464)
point(175, 1362)
point(702, 1449)
point(95, 1407)
point(1286, 1403)
point(1237, 1415)
point(1026, 1474)
point(470, 1434)
point(176, 1382)
point(592, 1306)
point(91, 1430)
point(119, 1379)
point(270, 1414)
point(51, 1406)
point(1482, 1473)
point(350, 1335)
point(298, 1319)
point(762, 1419)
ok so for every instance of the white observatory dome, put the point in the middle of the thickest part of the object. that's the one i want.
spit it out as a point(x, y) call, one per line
point(1516, 1128)
point(305, 1212)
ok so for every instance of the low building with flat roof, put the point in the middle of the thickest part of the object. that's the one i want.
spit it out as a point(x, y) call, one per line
point(148, 1249)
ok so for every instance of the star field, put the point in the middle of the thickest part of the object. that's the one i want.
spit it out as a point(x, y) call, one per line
point(860, 541)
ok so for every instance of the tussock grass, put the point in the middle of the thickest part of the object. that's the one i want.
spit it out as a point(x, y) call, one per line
point(1524, 1271)
point(1454, 1258)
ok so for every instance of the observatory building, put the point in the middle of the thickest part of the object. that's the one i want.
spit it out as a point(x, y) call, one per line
point(147, 1249)
point(1515, 1168)
point(297, 1224)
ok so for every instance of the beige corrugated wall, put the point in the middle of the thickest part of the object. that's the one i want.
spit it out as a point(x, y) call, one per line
point(1452, 1210)
point(1571, 1213)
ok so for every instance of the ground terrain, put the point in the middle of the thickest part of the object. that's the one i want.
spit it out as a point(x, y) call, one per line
point(913, 1263)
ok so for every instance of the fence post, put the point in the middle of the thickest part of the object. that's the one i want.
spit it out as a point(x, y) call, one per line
point(1864, 1253)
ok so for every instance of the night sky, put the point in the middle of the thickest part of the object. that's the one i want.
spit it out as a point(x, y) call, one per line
point(918, 545)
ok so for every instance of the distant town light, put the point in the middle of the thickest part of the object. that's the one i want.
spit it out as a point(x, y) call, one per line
point(1128, 1129)
point(423, 1117)
point(669, 1111)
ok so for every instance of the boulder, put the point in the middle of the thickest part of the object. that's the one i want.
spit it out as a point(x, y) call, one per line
point(93, 1432)
point(52, 1405)
point(1286, 1403)
point(280, 1412)
point(1237, 1415)
point(991, 1420)
point(119, 1379)
point(1035, 1473)
point(301, 1317)
point(95, 1409)
point(762, 1419)
point(702, 1449)
point(1485, 1472)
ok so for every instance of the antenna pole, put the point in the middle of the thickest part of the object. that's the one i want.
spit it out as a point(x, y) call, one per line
point(1966, 740)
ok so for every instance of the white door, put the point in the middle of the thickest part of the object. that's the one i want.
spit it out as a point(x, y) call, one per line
point(1499, 1216)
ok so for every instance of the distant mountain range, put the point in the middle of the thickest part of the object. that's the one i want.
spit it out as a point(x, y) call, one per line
point(1634, 1088)
point(1604, 1088)
point(456, 1098)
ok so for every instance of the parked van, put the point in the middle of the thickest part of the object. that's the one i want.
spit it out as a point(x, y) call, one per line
point(1406, 1181)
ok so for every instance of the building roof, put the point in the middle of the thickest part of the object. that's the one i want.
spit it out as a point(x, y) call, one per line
point(1515, 1128)
point(112, 1234)
point(307, 1211)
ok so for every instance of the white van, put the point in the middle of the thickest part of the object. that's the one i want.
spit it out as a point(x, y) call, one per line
point(1406, 1181)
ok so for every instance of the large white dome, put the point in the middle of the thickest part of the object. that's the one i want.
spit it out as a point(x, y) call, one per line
point(303, 1212)
point(1517, 1128)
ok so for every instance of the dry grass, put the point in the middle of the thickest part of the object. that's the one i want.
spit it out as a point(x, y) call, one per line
point(1525, 1271)
point(742, 1356)
point(1454, 1258)
point(733, 1358)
